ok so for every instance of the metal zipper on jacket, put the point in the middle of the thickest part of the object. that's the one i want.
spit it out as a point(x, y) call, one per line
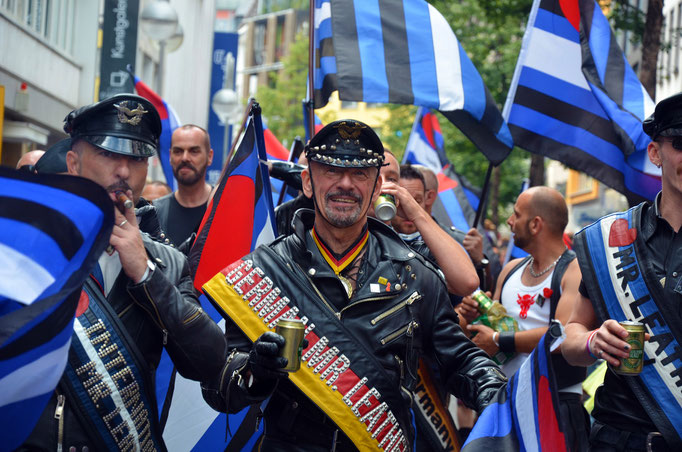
point(408, 301)
point(407, 329)
point(59, 415)
point(319, 294)
point(365, 300)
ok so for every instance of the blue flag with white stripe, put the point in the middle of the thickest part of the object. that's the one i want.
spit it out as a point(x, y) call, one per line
point(404, 52)
point(574, 98)
point(54, 228)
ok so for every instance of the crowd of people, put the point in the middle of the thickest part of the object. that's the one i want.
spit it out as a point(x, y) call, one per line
point(390, 300)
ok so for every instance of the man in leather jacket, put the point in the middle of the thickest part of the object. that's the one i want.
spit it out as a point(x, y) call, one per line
point(144, 287)
point(629, 410)
point(360, 278)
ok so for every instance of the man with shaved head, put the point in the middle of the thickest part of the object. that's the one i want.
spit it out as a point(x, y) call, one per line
point(28, 160)
point(535, 290)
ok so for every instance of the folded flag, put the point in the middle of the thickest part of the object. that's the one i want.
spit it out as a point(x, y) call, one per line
point(169, 122)
point(238, 219)
point(525, 413)
point(574, 98)
point(54, 228)
point(404, 52)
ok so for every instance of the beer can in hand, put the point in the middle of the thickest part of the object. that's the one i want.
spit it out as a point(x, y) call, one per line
point(384, 207)
point(292, 330)
point(632, 365)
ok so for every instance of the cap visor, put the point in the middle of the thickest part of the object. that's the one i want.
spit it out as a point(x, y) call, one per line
point(121, 145)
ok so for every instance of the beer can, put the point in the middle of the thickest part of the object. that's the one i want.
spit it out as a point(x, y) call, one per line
point(292, 330)
point(384, 207)
point(632, 365)
point(484, 301)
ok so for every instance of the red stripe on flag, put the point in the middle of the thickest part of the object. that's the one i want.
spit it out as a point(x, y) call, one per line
point(551, 438)
point(231, 229)
point(145, 91)
point(273, 147)
point(445, 183)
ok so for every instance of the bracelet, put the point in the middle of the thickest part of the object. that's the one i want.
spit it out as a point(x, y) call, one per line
point(587, 344)
point(507, 343)
point(495, 340)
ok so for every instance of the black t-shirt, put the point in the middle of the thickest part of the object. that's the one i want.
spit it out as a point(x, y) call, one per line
point(182, 221)
point(615, 403)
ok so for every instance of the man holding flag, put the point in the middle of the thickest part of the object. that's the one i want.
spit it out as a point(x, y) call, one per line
point(632, 271)
point(370, 307)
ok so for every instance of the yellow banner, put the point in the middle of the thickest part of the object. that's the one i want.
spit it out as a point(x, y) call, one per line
point(367, 422)
point(433, 410)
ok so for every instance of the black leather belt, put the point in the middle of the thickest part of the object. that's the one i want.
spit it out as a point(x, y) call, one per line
point(622, 439)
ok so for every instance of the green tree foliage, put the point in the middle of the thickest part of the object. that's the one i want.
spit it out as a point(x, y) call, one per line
point(281, 98)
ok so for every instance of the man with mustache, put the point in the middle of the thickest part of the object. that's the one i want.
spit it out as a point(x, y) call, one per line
point(181, 211)
point(371, 307)
point(138, 300)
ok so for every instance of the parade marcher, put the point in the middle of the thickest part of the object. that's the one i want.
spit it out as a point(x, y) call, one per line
point(371, 307)
point(631, 270)
point(155, 189)
point(53, 161)
point(284, 213)
point(535, 290)
point(138, 300)
point(180, 212)
point(472, 240)
point(27, 161)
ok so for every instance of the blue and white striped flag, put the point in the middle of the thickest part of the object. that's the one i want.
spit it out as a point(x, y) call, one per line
point(54, 228)
point(574, 98)
point(404, 52)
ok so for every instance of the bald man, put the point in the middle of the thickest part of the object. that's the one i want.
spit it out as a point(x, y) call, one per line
point(29, 160)
point(534, 290)
point(480, 251)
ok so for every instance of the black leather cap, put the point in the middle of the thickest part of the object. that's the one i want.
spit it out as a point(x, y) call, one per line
point(666, 121)
point(124, 124)
point(54, 159)
point(346, 143)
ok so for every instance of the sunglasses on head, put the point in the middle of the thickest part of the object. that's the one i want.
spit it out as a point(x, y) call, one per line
point(675, 141)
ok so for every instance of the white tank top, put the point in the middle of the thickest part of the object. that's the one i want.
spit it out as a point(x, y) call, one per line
point(522, 303)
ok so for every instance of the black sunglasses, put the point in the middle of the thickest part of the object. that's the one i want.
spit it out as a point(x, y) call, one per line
point(675, 141)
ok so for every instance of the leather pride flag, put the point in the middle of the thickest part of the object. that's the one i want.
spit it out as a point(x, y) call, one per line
point(404, 52)
point(525, 414)
point(574, 98)
point(54, 228)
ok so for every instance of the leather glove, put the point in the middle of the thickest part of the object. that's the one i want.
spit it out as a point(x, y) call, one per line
point(264, 359)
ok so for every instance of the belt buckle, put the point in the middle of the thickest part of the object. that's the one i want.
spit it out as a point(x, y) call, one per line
point(650, 439)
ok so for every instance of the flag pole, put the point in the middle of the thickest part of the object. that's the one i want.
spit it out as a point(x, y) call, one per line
point(311, 69)
point(484, 196)
point(294, 152)
point(247, 112)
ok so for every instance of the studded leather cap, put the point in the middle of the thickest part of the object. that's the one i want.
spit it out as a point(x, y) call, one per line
point(666, 121)
point(346, 143)
point(124, 124)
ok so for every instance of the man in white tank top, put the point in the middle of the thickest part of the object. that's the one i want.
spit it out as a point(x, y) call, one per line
point(538, 222)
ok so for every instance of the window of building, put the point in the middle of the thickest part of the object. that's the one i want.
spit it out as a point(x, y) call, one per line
point(51, 20)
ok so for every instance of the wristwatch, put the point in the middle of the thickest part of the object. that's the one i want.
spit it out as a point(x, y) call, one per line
point(484, 263)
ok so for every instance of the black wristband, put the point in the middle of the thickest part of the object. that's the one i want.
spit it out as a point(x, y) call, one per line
point(506, 340)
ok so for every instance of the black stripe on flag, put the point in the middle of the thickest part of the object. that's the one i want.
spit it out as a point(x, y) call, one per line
point(566, 113)
point(347, 51)
point(329, 83)
point(491, 116)
point(49, 221)
point(396, 53)
point(553, 6)
point(575, 158)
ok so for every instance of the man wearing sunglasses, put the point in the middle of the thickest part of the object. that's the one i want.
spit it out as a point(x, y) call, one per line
point(631, 264)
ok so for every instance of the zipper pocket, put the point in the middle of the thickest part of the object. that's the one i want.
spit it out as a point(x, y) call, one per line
point(59, 415)
point(407, 329)
point(407, 302)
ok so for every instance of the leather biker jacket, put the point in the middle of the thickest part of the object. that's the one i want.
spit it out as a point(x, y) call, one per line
point(161, 311)
point(413, 319)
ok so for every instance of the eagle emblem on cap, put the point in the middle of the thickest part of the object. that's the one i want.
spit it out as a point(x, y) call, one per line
point(128, 116)
point(349, 131)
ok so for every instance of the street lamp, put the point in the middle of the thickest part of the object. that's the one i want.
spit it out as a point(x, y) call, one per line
point(225, 103)
point(160, 22)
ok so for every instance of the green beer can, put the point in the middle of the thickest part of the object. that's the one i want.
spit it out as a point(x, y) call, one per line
point(632, 365)
point(292, 330)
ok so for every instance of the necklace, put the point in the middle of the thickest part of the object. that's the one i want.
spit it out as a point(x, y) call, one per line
point(537, 275)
